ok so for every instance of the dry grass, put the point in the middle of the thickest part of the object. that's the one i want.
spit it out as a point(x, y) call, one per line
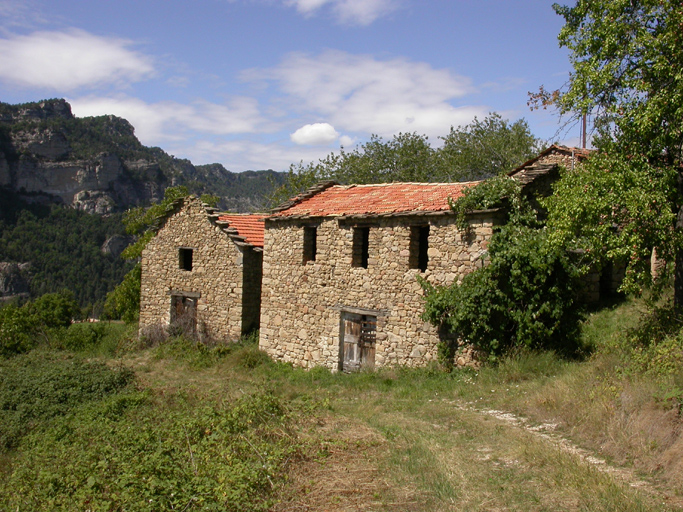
point(397, 440)
point(345, 473)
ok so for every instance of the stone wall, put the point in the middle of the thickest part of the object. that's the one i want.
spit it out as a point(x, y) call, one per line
point(303, 303)
point(216, 280)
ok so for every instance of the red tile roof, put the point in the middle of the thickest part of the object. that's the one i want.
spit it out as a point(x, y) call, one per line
point(249, 226)
point(382, 199)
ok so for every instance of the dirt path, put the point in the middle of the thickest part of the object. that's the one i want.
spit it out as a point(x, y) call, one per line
point(547, 433)
point(461, 452)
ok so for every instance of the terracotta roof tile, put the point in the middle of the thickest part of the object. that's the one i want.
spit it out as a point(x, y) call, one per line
point(387, 198)
point(250, 226)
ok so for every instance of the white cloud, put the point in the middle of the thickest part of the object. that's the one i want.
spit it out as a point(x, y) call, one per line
point(66, 61)
point(359, 93)
point(346, 141)
point(352, 12)
point(316, 134)
point(169, 120)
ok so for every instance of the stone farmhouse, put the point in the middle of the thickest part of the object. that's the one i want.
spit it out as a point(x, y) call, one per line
point(331, 277)
point(201, 273)
point(340, 272)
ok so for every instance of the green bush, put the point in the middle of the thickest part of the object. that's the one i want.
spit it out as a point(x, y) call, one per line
point(84, 336)
point(123, 303)
point(129, 452)
point(524, 297)
point(54, 310)
point(41, 385)
point(16, 331)
point(44, 319)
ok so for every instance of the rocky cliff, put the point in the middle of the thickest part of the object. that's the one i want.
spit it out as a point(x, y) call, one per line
point(97, 164)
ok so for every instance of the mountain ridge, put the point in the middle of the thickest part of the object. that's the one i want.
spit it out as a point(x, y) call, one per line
point(97, 164)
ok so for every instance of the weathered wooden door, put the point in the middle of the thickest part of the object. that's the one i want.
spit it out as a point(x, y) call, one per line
point(184, 314)
point(358, 350)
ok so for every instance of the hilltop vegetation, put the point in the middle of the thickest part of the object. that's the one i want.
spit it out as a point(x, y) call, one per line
point(44, 136)
point(64, 248)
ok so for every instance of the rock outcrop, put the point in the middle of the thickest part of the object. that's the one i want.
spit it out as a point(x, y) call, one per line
point(13, 280)
point(97, 164)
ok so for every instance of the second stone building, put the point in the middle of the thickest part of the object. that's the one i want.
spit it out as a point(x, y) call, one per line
point(341, 267)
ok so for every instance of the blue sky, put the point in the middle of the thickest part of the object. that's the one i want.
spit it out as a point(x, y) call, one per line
point(261, 84)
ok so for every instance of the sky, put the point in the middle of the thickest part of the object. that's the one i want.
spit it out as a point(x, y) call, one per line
point(263, 84)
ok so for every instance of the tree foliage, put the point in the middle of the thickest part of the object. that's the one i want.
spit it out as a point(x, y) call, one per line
point(488, 147)
point(627, 57)
point(21, 328)
point(524, 296)
point(616, 209)
point(476, 151)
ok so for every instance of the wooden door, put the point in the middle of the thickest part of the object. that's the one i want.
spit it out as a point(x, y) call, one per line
point(351, 348)
point(184, 314)
point(358, 348)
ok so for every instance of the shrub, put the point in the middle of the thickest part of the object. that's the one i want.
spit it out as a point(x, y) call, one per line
point(54, 310)
point(127, 452)
point(525, 295)
point(41, 385)
point(83, 336)
point(16, 330)
point(123, 303)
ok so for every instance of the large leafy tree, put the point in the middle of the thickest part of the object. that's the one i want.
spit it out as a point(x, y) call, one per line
point(478, 150)
point(485, 148)
point(627, 57)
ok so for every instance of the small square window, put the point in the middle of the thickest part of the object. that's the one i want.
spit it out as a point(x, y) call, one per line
point(419, 247)
point(185, 258)
point(361, 246)
point(310, 243)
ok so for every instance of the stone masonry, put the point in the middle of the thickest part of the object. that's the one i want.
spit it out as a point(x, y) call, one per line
point(195, 256)
point(303, 303)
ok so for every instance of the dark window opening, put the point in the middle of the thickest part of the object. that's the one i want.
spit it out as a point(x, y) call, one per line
point(185, 259)
point(361, 245)
point(310, 243)
point(419, 247)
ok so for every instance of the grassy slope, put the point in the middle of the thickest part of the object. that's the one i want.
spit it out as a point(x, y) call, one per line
point(426, 440)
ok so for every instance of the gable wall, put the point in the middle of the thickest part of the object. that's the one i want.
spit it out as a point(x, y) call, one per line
point(216, 274)
point(302, 303)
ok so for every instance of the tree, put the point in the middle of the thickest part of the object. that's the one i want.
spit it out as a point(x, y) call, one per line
point(525, 295)
point(486, 148)
point(478, 150)
point(627, 57)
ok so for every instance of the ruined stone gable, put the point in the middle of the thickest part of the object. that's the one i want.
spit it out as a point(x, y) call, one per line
point(199, 271)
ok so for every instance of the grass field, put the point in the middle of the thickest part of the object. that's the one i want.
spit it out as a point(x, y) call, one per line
point(184, 427)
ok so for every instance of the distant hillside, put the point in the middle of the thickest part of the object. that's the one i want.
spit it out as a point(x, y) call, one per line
point(97, 164)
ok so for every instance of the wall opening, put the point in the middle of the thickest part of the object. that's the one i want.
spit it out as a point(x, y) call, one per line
point(185, 258)
point(419, 247)
point(358, 335)
point(183, 315)
point(310, 243)
point(361, 246)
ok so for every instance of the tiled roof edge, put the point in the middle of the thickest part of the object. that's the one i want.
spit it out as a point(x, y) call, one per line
point(580, 153)
point(315, 189)
point(364, 216)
